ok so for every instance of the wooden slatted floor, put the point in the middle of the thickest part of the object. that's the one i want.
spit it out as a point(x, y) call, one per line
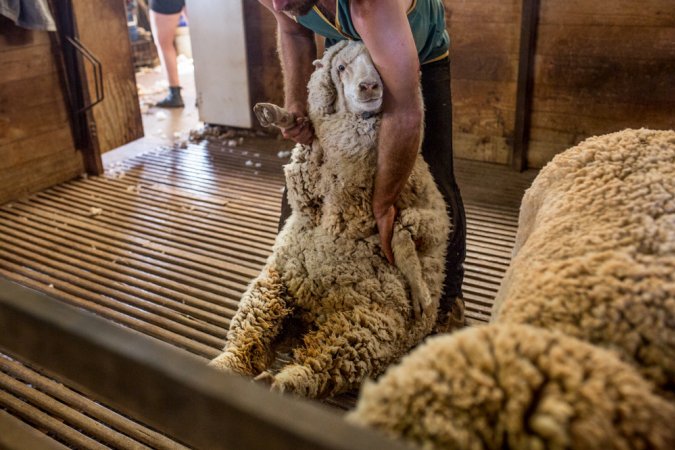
point(165, 243)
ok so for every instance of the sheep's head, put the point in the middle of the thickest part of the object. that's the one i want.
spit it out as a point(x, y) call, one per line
point(345, 80)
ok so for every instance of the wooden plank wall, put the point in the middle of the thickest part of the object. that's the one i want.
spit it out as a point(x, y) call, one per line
point(36, 144)
point(600, 66)
point(484, 40)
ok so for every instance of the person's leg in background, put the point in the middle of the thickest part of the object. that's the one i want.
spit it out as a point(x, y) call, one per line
point(164, 18)
point(437, 152)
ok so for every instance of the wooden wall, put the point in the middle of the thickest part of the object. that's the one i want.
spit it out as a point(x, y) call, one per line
point(484, 39)
point(36, 144)
point(600, 66)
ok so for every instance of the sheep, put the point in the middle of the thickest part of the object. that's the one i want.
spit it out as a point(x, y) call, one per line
point(580, 349)
point(595, 250)
point(354, 313)
point(515, 386)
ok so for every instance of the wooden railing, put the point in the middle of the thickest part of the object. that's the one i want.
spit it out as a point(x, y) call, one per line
point(163, 386)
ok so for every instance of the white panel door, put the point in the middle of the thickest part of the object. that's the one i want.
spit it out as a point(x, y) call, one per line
point(219, 52)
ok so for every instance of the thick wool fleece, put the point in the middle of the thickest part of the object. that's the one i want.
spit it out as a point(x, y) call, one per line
point(595, 250)
point(327, 269)
point(519, 387)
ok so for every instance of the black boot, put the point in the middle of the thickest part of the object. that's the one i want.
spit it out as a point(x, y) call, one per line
point(173, 100)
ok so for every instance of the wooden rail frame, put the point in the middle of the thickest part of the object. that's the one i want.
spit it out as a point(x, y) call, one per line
point(163, 386)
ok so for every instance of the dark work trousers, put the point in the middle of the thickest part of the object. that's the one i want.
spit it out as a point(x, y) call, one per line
point(437, 152)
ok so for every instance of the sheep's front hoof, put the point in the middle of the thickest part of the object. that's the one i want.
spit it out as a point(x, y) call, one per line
point(269, 115)
point(423, 305)
point(266, 378)
point(295, 380)
point(226, 362)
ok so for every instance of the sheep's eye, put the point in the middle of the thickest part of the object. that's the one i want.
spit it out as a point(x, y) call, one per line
point(341, 68)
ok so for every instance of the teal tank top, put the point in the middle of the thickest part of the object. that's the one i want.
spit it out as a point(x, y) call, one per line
point(426, 18)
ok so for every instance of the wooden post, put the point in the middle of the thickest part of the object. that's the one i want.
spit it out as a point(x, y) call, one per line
point(528, 38)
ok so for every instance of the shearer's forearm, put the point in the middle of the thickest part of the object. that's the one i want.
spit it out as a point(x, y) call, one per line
point(297, 51)
point(384, 28)
point(399, 141)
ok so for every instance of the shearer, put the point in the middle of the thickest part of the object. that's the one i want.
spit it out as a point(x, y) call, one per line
point(404, 38)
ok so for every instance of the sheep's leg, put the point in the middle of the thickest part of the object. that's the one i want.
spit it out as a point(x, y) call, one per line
point(427, 228)
point(344, 350)
point(416, 231)
point(255, 326)
point(269, 114)
point(408, 262)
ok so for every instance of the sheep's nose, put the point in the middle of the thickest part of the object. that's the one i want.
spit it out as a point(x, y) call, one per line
point(368, 85)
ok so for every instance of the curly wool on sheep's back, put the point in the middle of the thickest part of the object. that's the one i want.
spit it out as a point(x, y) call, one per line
point(327, 269)
point(516, 386)
point(593, 259)
point(595, 250)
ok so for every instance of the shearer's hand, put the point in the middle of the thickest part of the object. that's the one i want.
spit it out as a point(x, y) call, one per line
point(302, 132)
point(385, 227)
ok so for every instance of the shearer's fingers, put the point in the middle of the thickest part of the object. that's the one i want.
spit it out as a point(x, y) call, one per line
point(291, 133)
point(307, 132)
point(385, 227)
point(301, 133)
point(306, 136)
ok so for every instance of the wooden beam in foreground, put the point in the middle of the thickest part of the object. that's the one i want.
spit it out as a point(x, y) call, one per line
point(163, 386)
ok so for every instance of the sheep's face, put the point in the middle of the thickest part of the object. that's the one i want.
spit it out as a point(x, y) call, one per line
point(345, 80)
point(361, 84)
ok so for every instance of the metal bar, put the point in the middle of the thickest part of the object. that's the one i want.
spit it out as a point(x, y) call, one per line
point(165, 387)
point(528, 38)
point(97, 68)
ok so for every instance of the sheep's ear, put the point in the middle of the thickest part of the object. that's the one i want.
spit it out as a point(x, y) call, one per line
point(317, 64)
point(322, 91)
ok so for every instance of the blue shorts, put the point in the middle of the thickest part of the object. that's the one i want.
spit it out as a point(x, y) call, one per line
point(167, 6)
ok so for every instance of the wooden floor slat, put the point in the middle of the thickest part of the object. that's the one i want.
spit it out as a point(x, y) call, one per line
point(160, 235)
point(94, 273)
point(189, 301)
point(70, 416)
point(181, 234)
point(196, 217)
point(192, 273)
point(233, 267)
point(126, 207)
